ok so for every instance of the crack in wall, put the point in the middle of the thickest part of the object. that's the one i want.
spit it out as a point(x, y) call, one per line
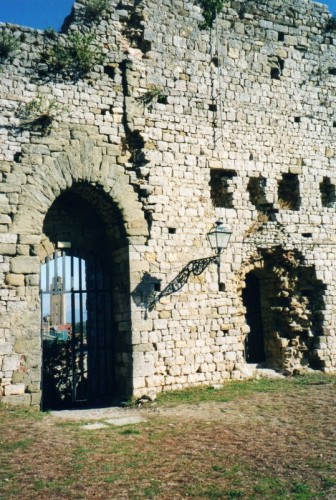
point(134, 143)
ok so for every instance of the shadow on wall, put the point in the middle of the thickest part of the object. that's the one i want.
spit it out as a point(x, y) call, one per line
point(144, 293)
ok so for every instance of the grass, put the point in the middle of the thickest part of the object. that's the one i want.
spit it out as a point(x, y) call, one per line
point(265, 439)
point(238, 389)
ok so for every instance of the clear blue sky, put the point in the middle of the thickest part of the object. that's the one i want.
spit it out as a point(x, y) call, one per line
point(35, 13)
point(51, 13)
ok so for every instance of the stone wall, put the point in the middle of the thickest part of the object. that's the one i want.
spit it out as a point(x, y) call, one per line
point(176, 128)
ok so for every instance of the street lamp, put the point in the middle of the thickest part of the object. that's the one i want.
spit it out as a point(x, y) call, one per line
point(218, 237)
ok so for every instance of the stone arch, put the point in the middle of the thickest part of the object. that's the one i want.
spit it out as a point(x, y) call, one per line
point(89, 207)
point(83, 166)
point(79, 160)
point(291, 306)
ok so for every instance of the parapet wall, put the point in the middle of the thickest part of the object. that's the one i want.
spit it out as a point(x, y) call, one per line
point(178, 127)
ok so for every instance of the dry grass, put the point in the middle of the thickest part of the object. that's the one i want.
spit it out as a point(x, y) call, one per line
point(267, 440)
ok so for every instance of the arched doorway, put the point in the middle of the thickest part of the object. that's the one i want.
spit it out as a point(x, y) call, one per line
point(254, 342)
point(84, 301)
point(284, 304)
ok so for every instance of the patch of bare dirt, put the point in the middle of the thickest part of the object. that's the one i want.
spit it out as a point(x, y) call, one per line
point(267, 445)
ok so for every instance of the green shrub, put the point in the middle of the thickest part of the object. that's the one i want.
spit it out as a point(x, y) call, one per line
point(38, 114)
point(94, 8)
point(50, 33)
point(210, 10)
point(8, 45)
point(74, 58)
point(155, 94)
point(84, 54)
point(331, 25)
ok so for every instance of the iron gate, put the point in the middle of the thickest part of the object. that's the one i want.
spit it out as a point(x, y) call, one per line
point(76, 329)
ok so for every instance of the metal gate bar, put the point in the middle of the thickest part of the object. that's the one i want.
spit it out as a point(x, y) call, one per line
point(88, 323)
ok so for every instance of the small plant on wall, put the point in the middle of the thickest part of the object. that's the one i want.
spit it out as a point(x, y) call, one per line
point(74, 57)
point(8, 45)
point(94, 9)
point(155, 94)
point(331, 25)
point(38, 114)
point(210, 10)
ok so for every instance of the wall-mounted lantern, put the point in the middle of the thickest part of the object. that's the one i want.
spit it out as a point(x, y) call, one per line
point(218, 238)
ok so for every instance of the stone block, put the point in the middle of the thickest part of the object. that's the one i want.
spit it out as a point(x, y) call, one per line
point(15, 279)
point(32, 388)
point(15, 400)
point(10, 363)
point(5, 347)
point(14, 389)
point(138, 383)
point(35, 398)
point(8, 238)
point(5, 219)
point(25, 265)
point(297, 169)
point(20, 378)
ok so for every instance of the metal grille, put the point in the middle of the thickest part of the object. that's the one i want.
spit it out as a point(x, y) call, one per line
point(76, 331)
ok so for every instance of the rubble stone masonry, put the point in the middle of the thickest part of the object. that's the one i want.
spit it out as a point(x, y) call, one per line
point(176, 128)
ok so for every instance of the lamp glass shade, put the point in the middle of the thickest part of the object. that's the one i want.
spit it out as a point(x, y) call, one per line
point(218, 237)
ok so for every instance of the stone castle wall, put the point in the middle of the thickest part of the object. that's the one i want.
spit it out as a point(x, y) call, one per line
point(177, 128)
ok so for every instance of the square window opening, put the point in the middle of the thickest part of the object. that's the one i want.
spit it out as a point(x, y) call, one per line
point(222, 187)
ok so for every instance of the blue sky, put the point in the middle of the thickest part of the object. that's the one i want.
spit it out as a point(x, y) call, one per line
point(51, 13)
point(35, 13)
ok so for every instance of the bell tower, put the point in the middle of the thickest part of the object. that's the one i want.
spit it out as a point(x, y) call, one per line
point(57, 302)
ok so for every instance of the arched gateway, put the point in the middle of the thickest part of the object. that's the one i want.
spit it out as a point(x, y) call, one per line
point(84, 284)
point(73, 317)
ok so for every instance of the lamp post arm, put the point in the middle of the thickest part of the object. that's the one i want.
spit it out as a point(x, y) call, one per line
point(195, 267)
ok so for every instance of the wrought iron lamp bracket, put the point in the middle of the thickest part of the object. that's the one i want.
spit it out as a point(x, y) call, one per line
point(195, 267)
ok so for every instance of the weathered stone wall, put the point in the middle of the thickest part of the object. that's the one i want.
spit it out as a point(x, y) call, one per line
point(243, 130)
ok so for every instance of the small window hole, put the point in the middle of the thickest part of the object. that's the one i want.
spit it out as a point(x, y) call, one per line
point(172, 230)
point(289, 192)
point(18, 157)
point(275, 73)
point(328, 193)
point(162, 99)
point(297, 119)
point(281, 36)
point(213, 107)
point(109, 71)
point(215, 61)
point(222, 187)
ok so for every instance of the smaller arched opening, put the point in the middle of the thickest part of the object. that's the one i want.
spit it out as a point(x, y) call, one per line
point(254, 342)
point(84, 301)
point(284, 304)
